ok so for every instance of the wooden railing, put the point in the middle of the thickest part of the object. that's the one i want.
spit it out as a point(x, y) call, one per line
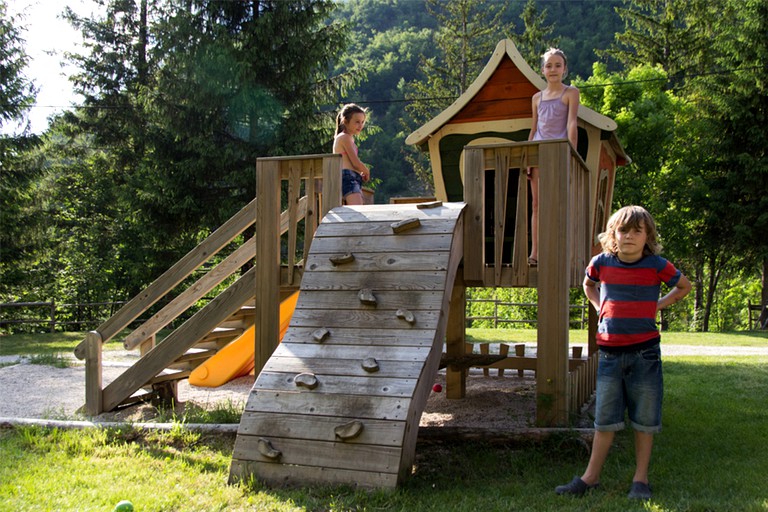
point(497, 243)
point(289, 190)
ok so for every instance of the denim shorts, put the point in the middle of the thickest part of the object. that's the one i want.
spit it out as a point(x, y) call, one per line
point(631, 382)
point(351, 182)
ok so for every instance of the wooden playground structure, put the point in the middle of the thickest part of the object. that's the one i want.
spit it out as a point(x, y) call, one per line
point(382, 291)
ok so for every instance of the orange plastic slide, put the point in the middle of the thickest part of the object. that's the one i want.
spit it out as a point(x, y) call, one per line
point(236, 359)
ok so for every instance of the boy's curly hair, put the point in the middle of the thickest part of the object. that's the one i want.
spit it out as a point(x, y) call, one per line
point(631, 217)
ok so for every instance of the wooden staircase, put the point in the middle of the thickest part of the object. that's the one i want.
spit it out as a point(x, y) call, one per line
point(161, 365)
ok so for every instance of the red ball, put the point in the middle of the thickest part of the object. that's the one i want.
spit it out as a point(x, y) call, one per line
point(437, 388)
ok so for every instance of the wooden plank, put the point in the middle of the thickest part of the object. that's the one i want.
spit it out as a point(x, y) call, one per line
point(368, 319)
point(364, 244)
point(381, 353)
point(331, 366)
point(378, 262)
point(296, 426)
point(456, 380)
point(385, 299)
point(351, 335)
point(267, 261)
point(93, 374)
point(381, 281)
point(391, 213)
point(554, 279)
point(369, 385)
point(474, 234)
point(520, 247)
point(502, 160)
point(307, 452)
point(354, 406)
point(331, 184)
point(375, 228)
point(278, 475)
point(294, 194)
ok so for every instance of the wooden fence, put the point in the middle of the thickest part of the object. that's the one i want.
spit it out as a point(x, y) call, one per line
point(498, 316)
point(55, 316)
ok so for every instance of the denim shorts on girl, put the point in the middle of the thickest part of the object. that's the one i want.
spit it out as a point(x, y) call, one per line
point(630, 382)
point(351, 182)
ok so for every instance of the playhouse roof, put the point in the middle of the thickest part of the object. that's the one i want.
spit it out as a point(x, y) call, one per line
point(503, 90)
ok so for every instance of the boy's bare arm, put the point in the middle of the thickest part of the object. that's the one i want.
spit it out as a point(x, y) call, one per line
point(681, 289)
point(592, 293)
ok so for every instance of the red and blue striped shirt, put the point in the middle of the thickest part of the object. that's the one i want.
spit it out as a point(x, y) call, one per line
point(629, 294)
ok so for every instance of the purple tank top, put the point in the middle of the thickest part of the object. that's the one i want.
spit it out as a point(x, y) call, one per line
point(553, 119)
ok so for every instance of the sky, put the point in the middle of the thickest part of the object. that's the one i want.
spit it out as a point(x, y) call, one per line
point(47, 38)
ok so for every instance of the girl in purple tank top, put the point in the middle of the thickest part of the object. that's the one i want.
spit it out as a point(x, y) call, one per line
point(554, 112)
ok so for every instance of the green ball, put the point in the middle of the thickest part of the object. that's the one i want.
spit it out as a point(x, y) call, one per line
point(124, 506)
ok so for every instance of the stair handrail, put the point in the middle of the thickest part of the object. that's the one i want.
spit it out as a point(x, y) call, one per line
point(174, 275)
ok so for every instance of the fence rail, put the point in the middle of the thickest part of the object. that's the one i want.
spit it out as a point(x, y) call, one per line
point(499, 318)
point(85, 315)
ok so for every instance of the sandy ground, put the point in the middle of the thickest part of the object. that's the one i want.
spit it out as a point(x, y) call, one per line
point(506, 402)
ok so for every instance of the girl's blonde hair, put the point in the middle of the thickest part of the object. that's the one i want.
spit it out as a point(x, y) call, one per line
point(555, 51)
point(345, 115)
point(631, 217)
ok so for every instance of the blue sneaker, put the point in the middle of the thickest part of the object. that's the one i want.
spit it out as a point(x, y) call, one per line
point(640, 491)
point(576, 487)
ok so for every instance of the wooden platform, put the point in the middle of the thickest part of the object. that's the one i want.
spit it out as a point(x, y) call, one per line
point(339, 401)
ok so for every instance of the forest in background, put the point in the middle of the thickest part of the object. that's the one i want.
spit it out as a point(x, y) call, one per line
point(179, 98)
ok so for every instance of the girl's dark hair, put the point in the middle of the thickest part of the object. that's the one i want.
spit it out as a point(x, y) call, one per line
point(345, 115)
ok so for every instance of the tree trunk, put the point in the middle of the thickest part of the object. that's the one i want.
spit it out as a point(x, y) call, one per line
point(763, 319)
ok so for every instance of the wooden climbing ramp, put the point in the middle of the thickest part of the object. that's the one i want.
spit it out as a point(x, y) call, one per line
point(340, 399)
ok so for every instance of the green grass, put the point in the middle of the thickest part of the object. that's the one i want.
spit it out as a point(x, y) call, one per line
point(720, 339)
point(711, 456)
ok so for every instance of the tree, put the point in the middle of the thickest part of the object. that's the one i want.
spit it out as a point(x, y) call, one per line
point(535, 39)
point(670, 33)
point(469, 30)
point(17, 94)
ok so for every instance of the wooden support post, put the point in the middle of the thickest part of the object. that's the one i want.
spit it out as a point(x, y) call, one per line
point(93, 376)
point(554, 280)
point(520, 352)
point(484, 349)
point(267, 261)
point(456, 380)
point(504, 351)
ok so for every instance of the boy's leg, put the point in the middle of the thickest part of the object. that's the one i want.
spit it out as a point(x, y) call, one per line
point(601, 445)
point(643, 448)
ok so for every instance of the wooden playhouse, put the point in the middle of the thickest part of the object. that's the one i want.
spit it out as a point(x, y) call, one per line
point(381, 290)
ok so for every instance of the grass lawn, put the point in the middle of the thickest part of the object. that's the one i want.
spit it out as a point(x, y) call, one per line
point(711, 456)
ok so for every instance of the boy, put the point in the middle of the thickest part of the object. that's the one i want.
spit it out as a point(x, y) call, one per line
point(623, 285)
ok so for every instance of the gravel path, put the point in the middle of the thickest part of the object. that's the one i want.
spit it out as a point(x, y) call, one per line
point(40, 391)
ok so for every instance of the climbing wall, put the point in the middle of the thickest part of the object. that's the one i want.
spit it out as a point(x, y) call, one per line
point(339, 401)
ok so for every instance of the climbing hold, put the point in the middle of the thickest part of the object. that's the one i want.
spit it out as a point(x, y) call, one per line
point(349, 430)
point(370, 365)
point(406, 315)
point(344, 258)
point(321, 334)
point(266, 449)
point(405, 225)
point(366, 297)
point(433, 204)
point(308, 380)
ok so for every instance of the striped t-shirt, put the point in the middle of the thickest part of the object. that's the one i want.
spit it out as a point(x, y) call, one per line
point(629, 294)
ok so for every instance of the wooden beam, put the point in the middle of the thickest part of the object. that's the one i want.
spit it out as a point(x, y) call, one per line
point(554, 279)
